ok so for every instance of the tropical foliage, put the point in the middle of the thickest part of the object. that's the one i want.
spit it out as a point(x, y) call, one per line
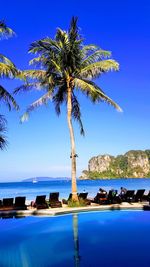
point(7, 70)
point(63, 66)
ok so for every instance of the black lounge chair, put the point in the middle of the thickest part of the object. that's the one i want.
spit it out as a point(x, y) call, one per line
point(139, 195)
point(113, 198)
point(54, 200)
point(83, 197)
point(7, 204)
point(20, 203)
point(40, 202)
point(129, 196)
point(100, 198)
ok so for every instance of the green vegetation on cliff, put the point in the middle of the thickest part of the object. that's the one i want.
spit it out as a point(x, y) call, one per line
point(133, 164)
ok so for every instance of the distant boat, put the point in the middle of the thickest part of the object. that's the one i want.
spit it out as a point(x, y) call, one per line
point(34, 180)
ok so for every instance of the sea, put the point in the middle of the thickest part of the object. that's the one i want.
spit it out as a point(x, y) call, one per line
point(31, 190)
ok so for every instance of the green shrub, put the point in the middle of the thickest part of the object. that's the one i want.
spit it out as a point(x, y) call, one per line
point(73, 203)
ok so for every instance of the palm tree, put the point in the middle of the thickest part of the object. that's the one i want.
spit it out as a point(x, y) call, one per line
point(66, 65)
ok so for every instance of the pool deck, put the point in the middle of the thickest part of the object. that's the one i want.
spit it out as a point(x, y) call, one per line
point(68, 210)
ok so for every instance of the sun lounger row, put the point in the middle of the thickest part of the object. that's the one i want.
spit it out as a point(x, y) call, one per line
point(112, 197)
point(42, 203)
point(10, 204)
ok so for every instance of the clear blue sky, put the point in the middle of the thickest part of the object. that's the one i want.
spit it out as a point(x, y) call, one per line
point(41, 146)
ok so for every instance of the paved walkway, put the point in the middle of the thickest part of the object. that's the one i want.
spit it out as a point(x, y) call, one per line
point(67, 210)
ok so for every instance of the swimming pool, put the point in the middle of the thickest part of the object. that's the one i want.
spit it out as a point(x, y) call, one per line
point(109, 238)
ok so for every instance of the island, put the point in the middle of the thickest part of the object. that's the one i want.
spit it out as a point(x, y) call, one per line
point(133, 164)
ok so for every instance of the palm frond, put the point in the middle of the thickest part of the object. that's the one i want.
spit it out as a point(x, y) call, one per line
point(28, 87)
point(88, 49)
point(94, 70)
point(5, 32)
point(96, 56)
point(8, 71)
point(76, 113)
point(84, 85)
point(41, 101)
point(37, 61)
point(44, 46)
point(95, 92)
point(6, 60)
point(35, 74)
point(8, 98)
point(91, 47)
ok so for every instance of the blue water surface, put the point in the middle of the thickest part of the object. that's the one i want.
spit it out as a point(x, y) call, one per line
point(110, 238)
point(31, 190)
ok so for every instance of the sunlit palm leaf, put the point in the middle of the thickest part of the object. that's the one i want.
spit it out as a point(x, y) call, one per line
point(37, 61)
point(95, 69)
point(41, 101)
point(95, 92)
point(99, 54)
point(5, 32)
point(6, 60)
point(35, 74)
point(7, 71)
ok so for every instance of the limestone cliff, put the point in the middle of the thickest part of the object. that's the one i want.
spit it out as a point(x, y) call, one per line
point(134, 164)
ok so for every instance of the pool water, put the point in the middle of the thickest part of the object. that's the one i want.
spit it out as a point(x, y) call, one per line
point(110, 238)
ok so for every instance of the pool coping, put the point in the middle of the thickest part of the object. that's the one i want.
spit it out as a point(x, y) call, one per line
point(68, 210)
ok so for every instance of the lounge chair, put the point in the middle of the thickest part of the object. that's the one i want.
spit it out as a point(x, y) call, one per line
point(129, 196)
point(20, 203)
point(83, 197)
point(139, 195)
point(7, 204)
point(54, 200)
point(113, 198)
point(100, 198)
point(40, 202)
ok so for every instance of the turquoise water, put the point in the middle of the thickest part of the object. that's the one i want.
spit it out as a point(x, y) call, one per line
point(30, 190)
point(118, 238)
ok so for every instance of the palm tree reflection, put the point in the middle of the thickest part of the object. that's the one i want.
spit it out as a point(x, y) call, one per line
point(76, 241)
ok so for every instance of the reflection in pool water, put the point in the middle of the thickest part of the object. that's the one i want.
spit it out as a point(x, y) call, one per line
point(118, 238)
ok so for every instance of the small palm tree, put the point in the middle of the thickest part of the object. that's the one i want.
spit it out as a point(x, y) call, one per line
point(66, 65)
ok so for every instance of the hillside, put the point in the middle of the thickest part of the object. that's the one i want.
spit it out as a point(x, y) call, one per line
point(133, 164)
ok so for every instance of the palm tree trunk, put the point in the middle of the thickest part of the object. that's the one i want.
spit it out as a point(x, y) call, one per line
point(72, 139)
